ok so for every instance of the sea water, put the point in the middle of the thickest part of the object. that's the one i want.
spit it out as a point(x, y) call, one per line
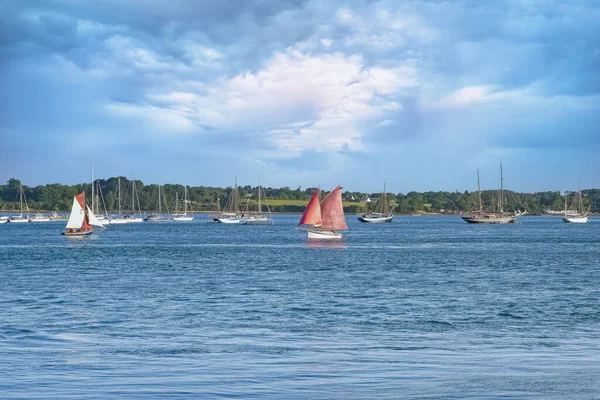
point(423, 307)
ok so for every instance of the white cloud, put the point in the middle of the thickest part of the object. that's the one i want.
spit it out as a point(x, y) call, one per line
point(298, 102)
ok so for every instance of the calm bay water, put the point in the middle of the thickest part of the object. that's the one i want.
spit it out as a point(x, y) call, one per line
point(428, 307)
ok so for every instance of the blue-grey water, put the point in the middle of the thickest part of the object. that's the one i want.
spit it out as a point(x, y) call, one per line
point(423, 308)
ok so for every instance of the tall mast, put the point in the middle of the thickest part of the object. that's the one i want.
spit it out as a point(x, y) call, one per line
point(92, 160)
point(580, 204)
point(236, 207)
point(133, 197)
point(185, 196)
point(119, 190)
point(159, 207)
point(384, 204)
point(501, 189)
point(259, 205)
point(479, 193)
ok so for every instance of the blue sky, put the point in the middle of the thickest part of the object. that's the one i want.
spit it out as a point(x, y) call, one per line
point(419, 94)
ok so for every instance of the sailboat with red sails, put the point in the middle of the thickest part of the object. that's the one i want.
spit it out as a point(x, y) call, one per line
point(78, 223)
point(325, 219)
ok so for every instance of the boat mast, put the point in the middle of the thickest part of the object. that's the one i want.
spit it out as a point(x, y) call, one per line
point(384, 204)
point(580, 203)
point(133, 197)
point(92, 166)
point(159, 207)
point(185, 196)
point(501, 189)
point(259, 205)
point(119, 190)
point(479, 193)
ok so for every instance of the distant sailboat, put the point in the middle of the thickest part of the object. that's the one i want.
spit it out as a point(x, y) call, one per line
point(182, 217)
point(18, 219)
point(382, 211)
point(132, 218)
point(482, 217)
point(159, 217)
point(231, 214)
point(78, 224)
point(578, 215)
point(324, 220)
point(258, 218)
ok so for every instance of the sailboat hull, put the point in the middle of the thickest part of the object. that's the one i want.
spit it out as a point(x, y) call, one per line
point(575, 220)
point(324, 235)
point(375, 219)
point(228, 220)
point(78, 233)
point(258, 221)
point(18, 220)
point(119, 221)
point(489, 220)
point(183, 219)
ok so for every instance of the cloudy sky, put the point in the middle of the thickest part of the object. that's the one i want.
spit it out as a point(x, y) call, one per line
point(419, 94)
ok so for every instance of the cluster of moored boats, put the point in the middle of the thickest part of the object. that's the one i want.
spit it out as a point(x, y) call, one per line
point(322, 219)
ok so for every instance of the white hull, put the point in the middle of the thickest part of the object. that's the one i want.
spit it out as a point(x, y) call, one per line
point(3, 221)
point(119, 221)
point(183, 218)
point(18, 220)
point(575, 220)
point(375, 219)
point(228, 220)
point(324, 235)
point(257, 220)
point(135, 220)
point(39, 220)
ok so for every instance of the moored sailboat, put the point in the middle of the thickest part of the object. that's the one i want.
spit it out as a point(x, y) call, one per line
point(78, 223)
point(159, 217)
point(578, 215)
point(381, 213)
point(257, 217)
point(18, 219)
point(182, 217)
point(324, 220)
point(231, 214)
point(482, 217)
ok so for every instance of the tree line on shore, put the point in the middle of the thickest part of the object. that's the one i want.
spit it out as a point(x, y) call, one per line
point(57, 197)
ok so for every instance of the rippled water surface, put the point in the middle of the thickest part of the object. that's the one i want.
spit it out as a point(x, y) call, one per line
point(427, 307)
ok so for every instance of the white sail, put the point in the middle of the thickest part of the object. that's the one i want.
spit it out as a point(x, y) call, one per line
point(76, 217)
point(94, 221)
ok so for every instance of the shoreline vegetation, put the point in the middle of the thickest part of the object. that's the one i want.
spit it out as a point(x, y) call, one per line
point(57, 197)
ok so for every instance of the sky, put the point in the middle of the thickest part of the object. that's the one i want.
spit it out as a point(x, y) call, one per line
point(417, 94)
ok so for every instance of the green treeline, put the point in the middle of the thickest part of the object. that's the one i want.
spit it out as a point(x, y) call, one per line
point(60, 197)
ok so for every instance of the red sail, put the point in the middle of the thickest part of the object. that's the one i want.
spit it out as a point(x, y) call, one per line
point(86, 223)
point(312, 214)
point(333, 211)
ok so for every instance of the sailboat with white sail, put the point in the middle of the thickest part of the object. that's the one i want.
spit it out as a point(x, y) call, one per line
point(257, 217)
point(182, 217)
point(18, 219)
point(159, 217)
point(78, 223)
point(483, 217)
point(324, 220)
point(381, 213)
point(575, 214)
point(231, 214)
